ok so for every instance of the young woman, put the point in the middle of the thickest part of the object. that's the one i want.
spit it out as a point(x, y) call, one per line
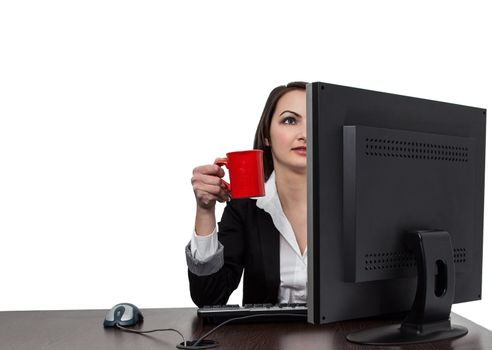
point(265, 237)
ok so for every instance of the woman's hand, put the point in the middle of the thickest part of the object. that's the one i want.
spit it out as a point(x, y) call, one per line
point(208, 186)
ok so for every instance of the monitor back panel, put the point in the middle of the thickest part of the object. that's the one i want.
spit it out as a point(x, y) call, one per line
point(367, 155)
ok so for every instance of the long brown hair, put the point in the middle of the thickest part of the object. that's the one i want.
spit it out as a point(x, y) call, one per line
point(263, 129)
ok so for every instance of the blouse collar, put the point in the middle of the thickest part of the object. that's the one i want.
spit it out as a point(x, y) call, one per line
point(271, 204)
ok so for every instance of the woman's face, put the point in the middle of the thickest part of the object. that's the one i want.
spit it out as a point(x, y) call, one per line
point(288, 132)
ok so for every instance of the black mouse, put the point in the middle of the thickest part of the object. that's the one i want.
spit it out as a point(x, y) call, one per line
point(124, 314)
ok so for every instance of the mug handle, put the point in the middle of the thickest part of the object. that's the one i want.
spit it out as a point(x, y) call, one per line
point(221, 162)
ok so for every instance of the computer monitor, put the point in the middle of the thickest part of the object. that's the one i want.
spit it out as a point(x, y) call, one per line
point(395, 191)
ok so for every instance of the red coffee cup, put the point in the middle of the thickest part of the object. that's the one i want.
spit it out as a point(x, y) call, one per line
point(245, 173)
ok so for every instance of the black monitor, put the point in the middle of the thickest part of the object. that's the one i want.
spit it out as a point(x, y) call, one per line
point(395, 210)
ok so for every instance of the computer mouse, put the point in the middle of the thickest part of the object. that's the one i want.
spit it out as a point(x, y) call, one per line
point(124, 314)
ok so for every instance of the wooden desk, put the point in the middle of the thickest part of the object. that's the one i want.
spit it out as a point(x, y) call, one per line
point(82, 329)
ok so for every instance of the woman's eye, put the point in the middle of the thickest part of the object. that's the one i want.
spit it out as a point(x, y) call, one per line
point(289, 120)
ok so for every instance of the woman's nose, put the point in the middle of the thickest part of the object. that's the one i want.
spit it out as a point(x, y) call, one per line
point(302, 135)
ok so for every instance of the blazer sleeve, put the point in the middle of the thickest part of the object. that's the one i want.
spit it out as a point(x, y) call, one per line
point(214, 287)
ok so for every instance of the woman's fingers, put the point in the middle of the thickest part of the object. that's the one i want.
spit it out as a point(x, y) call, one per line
point(212, 189)
point(207, 199)
point(209, 169)
point(207, 179)
point(208, 185)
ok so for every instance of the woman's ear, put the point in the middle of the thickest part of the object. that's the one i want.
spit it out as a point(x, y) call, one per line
point(267, 142)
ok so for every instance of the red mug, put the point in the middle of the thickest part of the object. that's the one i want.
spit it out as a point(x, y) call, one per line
point(245, 173)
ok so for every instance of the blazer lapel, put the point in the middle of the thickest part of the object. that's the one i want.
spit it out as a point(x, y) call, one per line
point(270, 253)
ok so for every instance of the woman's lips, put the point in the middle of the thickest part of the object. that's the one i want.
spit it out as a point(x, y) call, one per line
point(300, 150)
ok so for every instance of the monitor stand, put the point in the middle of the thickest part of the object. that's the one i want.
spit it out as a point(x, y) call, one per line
point(428, 319)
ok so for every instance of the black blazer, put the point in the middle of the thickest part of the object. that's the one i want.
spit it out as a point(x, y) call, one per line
point(251, 242)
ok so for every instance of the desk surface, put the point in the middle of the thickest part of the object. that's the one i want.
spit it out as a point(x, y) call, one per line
point(82, 329)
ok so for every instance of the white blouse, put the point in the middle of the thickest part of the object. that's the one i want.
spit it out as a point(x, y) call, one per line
point(293, 263)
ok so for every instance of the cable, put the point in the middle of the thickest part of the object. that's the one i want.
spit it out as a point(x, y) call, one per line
point(196, 344)
point(152, 331)
point(202, 343)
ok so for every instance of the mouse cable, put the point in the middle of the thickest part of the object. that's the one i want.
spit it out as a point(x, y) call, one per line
point(152, 331)
point(202, 343)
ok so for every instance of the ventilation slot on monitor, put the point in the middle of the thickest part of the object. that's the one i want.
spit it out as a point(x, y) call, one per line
point(459, 255)
point(388, 260)
point(380, 147)
point(401, 260)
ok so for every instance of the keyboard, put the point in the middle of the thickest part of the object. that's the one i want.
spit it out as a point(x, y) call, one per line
point(268, 312)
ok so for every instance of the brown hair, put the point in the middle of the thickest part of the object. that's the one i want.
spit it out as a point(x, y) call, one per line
point(263, 129)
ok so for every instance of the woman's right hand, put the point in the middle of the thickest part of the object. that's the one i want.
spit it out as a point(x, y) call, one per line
point(208, 186)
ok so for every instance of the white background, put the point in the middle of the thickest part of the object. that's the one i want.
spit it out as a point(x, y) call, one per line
point(107, 106)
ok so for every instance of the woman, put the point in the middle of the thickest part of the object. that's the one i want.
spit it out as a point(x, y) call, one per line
point(265, 237)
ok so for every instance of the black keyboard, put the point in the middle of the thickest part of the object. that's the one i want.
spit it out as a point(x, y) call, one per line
point(268, 312)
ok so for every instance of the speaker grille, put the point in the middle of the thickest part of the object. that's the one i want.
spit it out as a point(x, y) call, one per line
point(385, 147)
